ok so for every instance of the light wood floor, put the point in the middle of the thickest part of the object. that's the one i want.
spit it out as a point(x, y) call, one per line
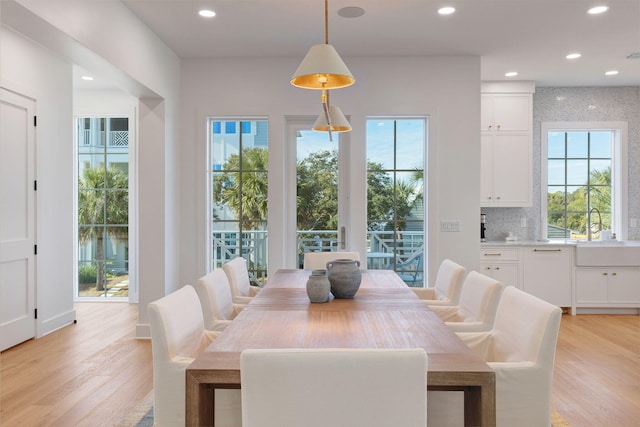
point(93, 373)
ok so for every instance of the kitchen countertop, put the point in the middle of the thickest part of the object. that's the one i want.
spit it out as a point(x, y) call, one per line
point(529, 243)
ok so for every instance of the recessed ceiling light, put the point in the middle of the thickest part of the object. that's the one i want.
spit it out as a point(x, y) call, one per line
point(351, 12)
point(611, 73)
point(87, 78)
point(447, 10)
point(598, 9)
point(511, 74)
point(206, 13)
point(573, 56)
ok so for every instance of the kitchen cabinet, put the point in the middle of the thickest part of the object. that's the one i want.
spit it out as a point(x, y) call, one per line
point(505, 170)
point(505, 112)
point(502, 264)
point(506, 150)
point(607, 287)
point(548, 273)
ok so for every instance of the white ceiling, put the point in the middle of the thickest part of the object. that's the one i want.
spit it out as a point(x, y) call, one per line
point(531, 37)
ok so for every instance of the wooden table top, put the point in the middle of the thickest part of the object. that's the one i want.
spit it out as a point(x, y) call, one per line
point(385, 313)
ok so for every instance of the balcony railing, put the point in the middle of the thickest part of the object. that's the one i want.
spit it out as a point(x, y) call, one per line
point(401, 251)
point(116, 138)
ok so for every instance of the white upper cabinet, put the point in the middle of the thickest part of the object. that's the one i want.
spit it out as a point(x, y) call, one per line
point(505, 112)
point(506, 150)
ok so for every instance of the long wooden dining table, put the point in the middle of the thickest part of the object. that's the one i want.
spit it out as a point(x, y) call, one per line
point(385, 313)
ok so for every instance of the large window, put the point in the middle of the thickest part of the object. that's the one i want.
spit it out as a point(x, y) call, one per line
point(583, 171)
point(395, 196)
point(103, 207)
point(239, 160)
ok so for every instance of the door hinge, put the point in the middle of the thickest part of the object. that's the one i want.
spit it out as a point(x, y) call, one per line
point(35, 121)
point(35, 185)
point(36, 312)
point(35, 249)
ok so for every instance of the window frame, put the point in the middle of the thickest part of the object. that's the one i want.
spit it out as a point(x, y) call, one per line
point(619, 165)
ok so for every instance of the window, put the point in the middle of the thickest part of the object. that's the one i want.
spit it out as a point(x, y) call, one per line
point(395, 196)
point(238, 188)
point(103, 207)
point(583, 177)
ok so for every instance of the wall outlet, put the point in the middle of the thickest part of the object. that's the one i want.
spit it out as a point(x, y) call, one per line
point(523, 222)
point(450, 226)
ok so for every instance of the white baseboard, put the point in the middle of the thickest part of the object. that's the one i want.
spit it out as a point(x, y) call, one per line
point(143, 331)
point(51, 325)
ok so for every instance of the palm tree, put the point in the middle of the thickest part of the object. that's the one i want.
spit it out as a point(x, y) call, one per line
point(103, 211)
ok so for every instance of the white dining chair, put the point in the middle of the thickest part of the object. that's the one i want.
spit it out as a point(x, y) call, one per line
point(218, 308)
point(476, 310)
point(319, 260)
point(334, 387)
point(177, 337)
point(241, 288)
point(447, 287)
point(520, 349)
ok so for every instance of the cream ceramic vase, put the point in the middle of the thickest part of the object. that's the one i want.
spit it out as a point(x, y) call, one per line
point(345, 277)
point(318, 287)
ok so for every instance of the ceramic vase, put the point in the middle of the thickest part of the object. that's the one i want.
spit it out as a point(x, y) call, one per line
point(345, 277)
point(318, 286)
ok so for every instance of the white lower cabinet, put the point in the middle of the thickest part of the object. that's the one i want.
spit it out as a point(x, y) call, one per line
point(503, 264)
point(547, 273)
point(608, 287)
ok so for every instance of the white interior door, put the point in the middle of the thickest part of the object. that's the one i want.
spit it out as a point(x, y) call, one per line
point(17, 219)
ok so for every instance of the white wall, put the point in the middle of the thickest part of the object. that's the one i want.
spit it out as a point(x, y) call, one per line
point(131, 56)
point(445, 88)
point(21, 69)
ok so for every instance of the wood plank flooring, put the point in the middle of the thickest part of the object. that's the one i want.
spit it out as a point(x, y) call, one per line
point(89, 374)
point(93, 373)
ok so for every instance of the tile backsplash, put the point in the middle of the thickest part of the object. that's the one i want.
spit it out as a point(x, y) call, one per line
point(573, 104)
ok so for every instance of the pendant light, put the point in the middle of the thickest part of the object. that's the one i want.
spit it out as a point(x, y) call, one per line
point(322, 68)
point(331, 119)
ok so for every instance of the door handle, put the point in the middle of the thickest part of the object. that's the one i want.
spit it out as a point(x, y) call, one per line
point(343, 233)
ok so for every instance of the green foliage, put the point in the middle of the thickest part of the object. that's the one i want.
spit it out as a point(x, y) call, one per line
point(244, 189)
point(87, 274)
point(575, 204)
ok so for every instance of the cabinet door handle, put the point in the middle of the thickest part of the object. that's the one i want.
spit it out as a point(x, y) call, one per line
point(613, 274)
point(547, 250)
point(605, 274)
point(498, 254)
point(498, 127)
point(489, 127)
point(497, 268)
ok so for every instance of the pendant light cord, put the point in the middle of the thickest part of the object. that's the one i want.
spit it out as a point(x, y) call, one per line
point(326, 21)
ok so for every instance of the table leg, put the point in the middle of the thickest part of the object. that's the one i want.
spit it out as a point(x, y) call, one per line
point(199, 403)
point(480, 406)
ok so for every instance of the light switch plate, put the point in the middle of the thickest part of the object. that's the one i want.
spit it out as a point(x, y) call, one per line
point(450, 226)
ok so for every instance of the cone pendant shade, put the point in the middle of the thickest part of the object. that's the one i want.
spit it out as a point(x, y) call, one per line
point(337, 120)
point(322, 68)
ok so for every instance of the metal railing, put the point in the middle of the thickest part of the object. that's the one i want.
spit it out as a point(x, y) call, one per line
point(115, 138)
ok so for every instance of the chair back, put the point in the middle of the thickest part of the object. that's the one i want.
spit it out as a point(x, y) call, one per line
point(177, 325)
point(448, 284)
point(334, 387)
point(214, 292)
point(319, 260)
point(526, 329)
point(479, 299)
point(238, 275)
point(177, 333)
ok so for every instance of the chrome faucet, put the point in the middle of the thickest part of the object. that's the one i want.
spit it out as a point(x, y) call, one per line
point(589, 222)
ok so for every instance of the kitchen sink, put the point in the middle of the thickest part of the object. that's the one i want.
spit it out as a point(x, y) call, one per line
point(603, 253)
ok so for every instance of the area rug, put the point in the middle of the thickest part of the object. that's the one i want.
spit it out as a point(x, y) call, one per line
point(142, 415)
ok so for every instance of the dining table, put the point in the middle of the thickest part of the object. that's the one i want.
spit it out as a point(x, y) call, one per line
point(384, 313)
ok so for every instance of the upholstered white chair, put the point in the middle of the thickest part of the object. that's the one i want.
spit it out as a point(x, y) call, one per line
point(241, 288)
point(447, 287)
point(177, 337)
point(319, 260)
point(218, 308)
point(334, 387)
point(521, 349)
point(476, 310)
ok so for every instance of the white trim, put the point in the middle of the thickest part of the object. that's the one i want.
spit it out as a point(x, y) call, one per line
point(619, 173)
